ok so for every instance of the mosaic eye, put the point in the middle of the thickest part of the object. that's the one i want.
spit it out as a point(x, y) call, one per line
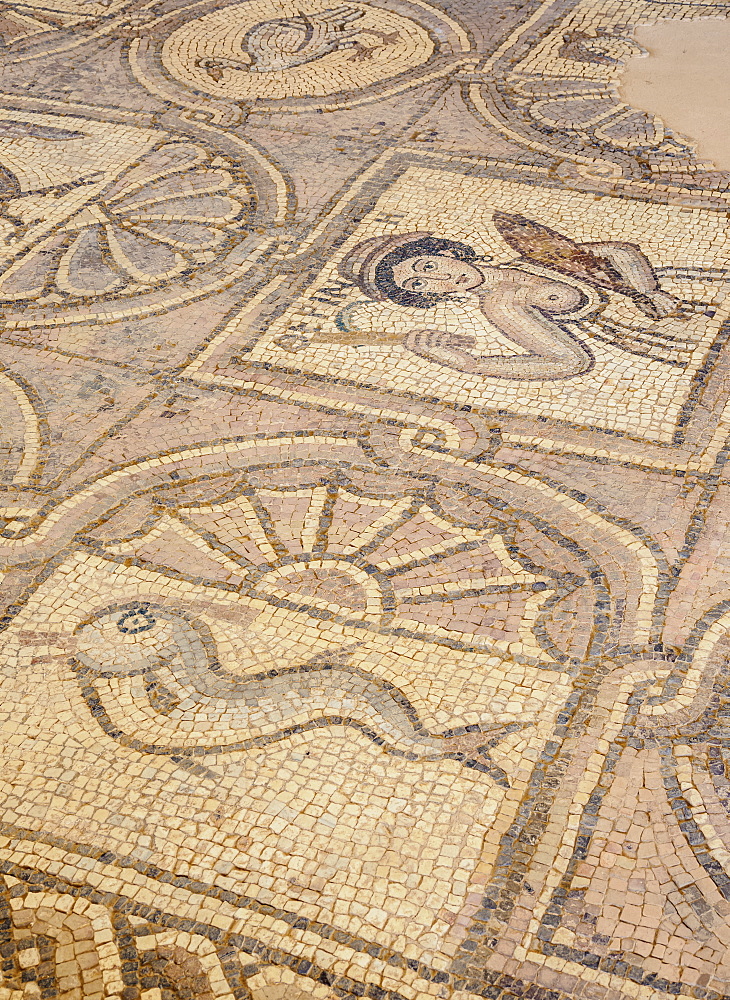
point(128, 639)
point(137, 620)
point(429, 266)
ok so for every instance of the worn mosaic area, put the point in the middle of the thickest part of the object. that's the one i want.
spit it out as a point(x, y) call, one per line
point(363, 421)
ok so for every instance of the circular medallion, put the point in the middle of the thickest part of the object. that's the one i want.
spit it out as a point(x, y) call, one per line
point(274, 49)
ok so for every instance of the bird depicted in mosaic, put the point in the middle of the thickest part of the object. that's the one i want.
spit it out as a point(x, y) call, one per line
point(141, 653)
point(290, 41)
point(285, 42)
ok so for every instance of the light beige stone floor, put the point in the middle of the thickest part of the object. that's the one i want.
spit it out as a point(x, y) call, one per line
point(364, 504)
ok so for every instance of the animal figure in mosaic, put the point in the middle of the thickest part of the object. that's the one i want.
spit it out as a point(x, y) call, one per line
point(140, 652)
point(528, 300)
point(285, 42)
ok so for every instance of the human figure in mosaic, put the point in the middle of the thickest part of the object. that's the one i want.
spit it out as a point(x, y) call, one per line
point(553, 278)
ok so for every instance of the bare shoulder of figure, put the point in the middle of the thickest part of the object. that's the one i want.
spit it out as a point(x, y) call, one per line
point(515, 289)
point(511, 274)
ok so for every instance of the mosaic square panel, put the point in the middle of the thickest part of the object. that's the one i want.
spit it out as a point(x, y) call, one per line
point(638, 375)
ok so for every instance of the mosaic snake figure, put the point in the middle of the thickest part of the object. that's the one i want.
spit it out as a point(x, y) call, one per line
point(185, 703)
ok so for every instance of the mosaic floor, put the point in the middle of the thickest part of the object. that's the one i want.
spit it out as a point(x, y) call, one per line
point(365, 611)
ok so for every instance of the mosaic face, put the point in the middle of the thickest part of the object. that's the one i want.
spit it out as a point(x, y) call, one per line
point(363, 507)
point(436, 274)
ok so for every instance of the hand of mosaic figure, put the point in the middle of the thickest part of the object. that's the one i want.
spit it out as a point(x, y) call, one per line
point(141, 653)
point(553, 353)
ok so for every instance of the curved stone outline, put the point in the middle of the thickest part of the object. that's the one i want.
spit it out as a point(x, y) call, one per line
point(29, 435)
point(146, 66)
point(538, 588)
point(69, 914)
point(515, 97)
point(273, 207)
point(55, 525)
point(641, 703)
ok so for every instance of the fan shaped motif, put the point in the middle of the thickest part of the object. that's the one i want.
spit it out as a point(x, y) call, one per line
point(389, 565)
point(167, 214)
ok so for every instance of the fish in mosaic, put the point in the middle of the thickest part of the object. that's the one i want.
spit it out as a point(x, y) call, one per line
point(150, 653)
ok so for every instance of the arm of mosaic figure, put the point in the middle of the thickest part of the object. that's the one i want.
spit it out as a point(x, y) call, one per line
point(636, 270)
point(552, 352)
point(454, 351)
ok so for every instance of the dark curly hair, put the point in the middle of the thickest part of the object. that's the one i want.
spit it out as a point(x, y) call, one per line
point(427, 247)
